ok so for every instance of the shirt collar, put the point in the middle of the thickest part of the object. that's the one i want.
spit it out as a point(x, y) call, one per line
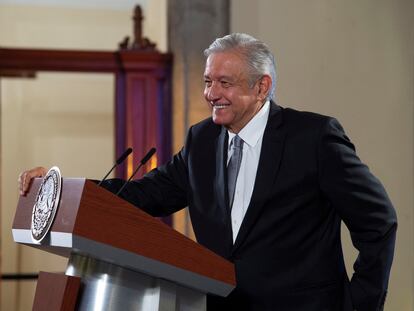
point(254, 129)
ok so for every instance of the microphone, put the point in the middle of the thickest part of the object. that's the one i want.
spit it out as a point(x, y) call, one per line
point(119, 161)
point(142, 162)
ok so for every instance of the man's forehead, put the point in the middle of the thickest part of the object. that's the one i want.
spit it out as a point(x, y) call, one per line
point(224, 65)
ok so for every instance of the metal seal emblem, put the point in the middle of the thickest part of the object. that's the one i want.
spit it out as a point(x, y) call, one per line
point(46, 204)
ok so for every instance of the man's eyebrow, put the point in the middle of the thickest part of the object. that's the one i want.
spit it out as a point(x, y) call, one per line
point(229, 78)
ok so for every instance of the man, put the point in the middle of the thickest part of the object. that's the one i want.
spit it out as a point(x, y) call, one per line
point(267, 188)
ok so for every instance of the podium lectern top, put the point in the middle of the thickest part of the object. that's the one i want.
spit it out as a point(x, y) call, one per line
point(94, 222)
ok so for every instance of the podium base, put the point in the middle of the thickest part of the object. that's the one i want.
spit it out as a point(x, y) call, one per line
point(106, 286)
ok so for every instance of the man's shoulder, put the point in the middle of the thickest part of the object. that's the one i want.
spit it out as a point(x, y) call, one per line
point(294, 115)
point(306, 122)
point(304, 119)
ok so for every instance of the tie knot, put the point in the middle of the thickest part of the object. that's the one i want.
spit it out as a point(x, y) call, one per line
point(237, 141)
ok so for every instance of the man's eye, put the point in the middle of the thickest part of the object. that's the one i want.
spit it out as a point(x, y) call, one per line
point(225, 83)
point(207, 82)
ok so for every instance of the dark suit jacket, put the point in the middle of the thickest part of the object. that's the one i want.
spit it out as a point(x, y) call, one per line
point(288, 253)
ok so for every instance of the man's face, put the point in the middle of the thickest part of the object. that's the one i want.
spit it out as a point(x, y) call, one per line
point(232, 100)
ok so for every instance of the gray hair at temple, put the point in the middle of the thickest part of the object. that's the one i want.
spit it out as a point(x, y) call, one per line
point(257, 54)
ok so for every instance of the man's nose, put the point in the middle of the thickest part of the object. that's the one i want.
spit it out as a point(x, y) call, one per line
point(213, 92)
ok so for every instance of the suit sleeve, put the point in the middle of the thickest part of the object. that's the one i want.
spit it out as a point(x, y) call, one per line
point(363, 205)
point(160, 192)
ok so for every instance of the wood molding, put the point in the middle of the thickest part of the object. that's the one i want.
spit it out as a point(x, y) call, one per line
point(57, 60)
point(32, 60)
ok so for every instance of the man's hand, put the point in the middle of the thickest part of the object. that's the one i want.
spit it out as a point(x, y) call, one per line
point(26, 177)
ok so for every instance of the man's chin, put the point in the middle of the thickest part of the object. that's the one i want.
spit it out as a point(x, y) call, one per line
point(219, 121)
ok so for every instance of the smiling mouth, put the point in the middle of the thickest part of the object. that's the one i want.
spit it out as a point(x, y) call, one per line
point(219, 106)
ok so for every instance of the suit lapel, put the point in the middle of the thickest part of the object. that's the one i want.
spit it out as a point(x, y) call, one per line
point(270, 155)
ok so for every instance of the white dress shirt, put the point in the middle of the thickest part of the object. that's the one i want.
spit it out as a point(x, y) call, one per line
point(252, 135)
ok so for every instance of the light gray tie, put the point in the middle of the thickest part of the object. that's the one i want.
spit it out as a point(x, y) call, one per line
point(234, 167)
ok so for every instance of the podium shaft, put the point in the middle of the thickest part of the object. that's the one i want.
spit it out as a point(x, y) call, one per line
point(106, 286)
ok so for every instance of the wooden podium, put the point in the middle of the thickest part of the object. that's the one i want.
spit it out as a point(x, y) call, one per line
point(120, 258)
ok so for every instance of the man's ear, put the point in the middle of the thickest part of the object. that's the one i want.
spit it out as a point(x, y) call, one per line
point(265, 84)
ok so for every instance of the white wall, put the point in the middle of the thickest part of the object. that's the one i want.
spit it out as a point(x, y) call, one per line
point(352, 60)
point(63, 119)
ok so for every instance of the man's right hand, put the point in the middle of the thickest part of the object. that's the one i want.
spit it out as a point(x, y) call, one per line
point(25, 178)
